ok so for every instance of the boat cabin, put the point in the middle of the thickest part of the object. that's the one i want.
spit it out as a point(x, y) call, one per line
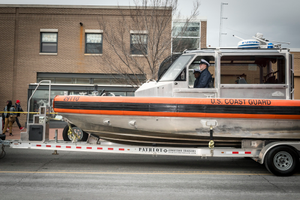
point(236, 73)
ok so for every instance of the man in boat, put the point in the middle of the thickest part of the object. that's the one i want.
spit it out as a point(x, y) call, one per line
point(203, 76)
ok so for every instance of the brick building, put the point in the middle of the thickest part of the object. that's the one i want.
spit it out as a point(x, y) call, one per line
point(64, 44)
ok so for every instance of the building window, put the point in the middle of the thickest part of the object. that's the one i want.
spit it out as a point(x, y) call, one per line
point(93, 43)
point(185, 35)
point(186, 29)
point(48, 42)
point(181, 44)
point(138, 44)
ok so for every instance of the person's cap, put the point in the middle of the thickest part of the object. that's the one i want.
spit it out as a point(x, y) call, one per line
point(196, 70)
point(204, 62)
point(18, 101)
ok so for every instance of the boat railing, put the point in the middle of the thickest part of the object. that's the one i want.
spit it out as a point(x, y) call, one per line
point(49, 100)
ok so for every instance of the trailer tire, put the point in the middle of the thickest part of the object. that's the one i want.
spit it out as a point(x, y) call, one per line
point(83, 137)
point(282, 161)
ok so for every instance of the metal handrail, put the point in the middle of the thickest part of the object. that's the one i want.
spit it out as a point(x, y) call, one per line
point(28, 106)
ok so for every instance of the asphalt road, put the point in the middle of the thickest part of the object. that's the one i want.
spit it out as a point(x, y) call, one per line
point(33, 174)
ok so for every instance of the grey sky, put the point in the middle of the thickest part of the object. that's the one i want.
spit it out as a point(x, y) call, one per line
point(278, 20)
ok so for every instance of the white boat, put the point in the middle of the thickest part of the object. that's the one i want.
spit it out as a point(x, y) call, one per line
point(251, 97)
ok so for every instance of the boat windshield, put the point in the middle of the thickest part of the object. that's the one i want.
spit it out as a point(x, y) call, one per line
point(176, 68)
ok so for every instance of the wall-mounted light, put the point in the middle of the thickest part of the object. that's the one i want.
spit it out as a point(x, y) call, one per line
point(80, 23)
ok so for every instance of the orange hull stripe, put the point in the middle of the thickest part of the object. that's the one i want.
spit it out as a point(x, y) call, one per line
point(177, 114)
point(160, 100)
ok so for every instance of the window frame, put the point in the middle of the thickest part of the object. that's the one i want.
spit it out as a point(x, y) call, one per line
point(195, 65)
point(261, 73)
point(86, 43)
point(41, 41)
point(178, 37)
point(139, 52)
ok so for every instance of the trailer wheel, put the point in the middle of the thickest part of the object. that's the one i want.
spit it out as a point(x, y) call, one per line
point(83, 135)
point(282, 161)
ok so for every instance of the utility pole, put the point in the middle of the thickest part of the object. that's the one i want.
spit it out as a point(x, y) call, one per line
point(221, 19)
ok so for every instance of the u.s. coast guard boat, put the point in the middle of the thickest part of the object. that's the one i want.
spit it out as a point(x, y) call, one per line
point(251, 96)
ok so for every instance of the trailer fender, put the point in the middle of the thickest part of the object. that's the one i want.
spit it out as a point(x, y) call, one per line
point(268, 147)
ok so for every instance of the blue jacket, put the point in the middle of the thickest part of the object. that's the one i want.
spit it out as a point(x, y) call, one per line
point(203, 80)
point(12, 109)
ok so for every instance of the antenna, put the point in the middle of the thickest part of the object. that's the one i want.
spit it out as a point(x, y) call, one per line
point(221, 18)
point(281, 42)
point(238, 37)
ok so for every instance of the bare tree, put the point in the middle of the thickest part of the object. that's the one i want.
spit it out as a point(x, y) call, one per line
point(147, 27)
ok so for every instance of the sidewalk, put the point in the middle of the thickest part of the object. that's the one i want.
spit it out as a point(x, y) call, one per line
point(17, 133)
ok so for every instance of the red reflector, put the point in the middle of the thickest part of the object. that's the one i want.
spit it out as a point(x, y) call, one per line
point(78, 147)
point(58, 146)
point(48, 145)
point(235, 152)
point(248, 152)
point(110, 148)
point(89, 148)
point(38, 145)
point(99, 148)
point(69, 147)
point(120, 149)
